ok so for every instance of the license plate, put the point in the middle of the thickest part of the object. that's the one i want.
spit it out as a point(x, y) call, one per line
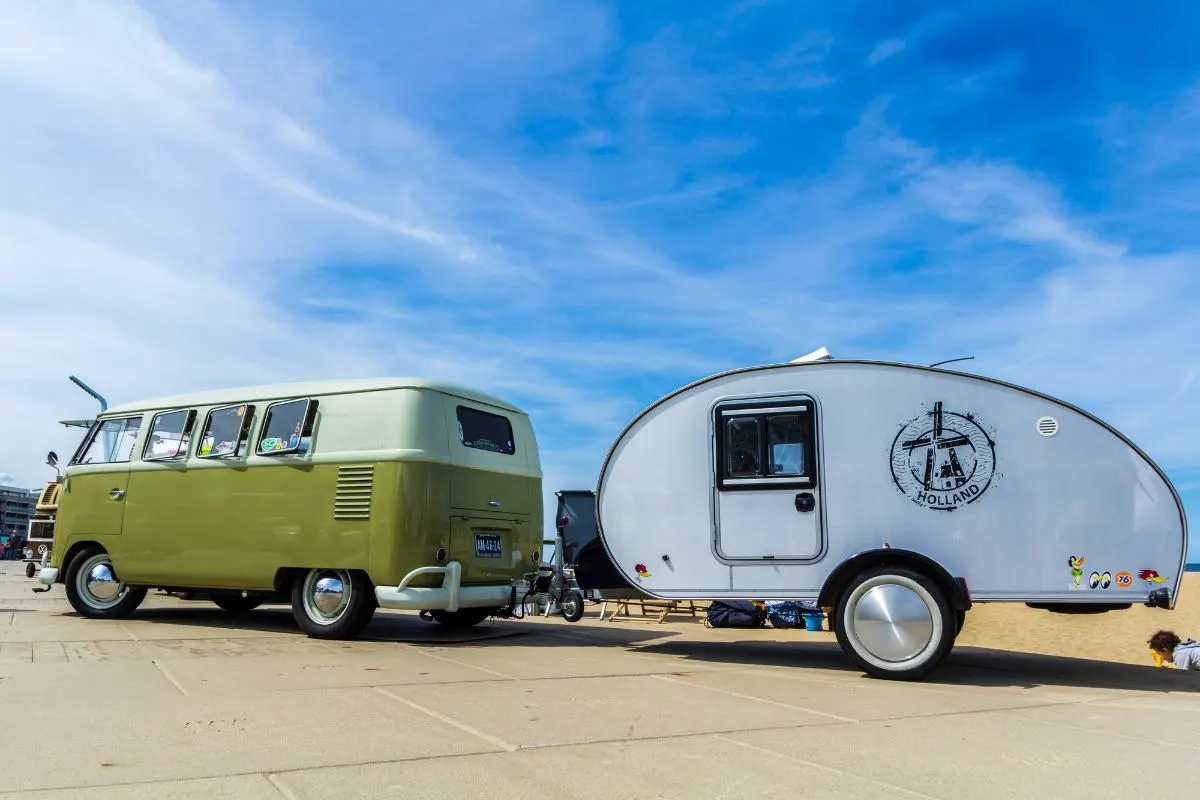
point(488, 545)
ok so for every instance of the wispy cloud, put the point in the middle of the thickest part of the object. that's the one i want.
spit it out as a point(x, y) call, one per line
point(886, 49)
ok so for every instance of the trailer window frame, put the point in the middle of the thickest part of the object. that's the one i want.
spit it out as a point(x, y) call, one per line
point(762, 411)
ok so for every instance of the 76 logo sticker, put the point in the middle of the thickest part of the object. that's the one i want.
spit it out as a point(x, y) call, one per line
point(1123, 580)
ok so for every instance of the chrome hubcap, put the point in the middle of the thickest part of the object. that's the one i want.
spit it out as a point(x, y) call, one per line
point(892, 622)
point(98, 584)
point(327, 595)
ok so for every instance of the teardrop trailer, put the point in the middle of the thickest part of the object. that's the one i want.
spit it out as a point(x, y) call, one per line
point(894, 494)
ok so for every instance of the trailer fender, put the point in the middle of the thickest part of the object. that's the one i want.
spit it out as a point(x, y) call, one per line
point(955, 588)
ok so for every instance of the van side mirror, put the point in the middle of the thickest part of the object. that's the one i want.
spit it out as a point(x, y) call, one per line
point(52, 459)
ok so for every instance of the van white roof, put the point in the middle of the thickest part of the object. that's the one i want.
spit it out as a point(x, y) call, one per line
point(284, 391)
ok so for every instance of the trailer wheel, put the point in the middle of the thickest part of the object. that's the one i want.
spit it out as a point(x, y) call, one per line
point(895, 623)
point(332, 603)
point(95, 591)
point(571, 606)
point(30, 569)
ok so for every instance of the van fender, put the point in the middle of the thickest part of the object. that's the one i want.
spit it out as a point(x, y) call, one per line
point(955, 588)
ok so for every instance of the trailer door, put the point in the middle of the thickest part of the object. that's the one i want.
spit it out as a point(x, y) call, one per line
point(767, 499)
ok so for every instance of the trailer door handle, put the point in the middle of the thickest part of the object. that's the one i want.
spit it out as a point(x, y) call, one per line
point(805, 502)
point(116, 494)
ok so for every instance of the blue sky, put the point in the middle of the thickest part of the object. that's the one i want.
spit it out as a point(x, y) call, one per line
point(581, 206)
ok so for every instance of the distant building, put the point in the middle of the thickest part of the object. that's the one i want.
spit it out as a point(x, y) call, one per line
point(16, 508)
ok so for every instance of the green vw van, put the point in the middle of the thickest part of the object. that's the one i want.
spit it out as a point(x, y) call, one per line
point(339, 497)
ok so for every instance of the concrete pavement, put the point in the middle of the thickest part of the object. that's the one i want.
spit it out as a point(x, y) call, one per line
point(183, 700)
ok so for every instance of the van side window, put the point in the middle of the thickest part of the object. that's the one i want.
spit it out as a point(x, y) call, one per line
point(110, 442)
point(226, 432)
point(766, 443)
point(286, 428)
point(170, 433)
point(484, 431)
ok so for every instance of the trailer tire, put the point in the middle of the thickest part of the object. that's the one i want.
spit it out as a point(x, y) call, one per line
point(895, 623)
point(94, 589)
point(30, 569)
point(332, 603)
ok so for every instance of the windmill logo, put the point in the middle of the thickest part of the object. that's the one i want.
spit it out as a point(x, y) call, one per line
point(943, 460)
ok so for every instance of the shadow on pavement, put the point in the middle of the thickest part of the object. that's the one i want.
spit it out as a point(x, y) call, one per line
point(400, 628)
point(966, 666)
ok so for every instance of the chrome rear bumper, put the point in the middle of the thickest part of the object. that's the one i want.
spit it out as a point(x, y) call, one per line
point(450, 596)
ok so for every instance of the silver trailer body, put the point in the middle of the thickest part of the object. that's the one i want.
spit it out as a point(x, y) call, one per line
point(786, 481)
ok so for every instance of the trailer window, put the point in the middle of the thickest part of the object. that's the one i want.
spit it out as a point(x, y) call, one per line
point(226, 432)
point(111, 442)
point(785, 445)
point(484, 431)
point(764, 443)
point(742, 446)
point(169, 436)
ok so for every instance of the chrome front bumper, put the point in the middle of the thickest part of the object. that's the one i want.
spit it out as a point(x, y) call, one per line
point(450, 596)
point(47, 575)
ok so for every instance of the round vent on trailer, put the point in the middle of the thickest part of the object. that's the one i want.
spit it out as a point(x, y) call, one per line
point(1047, 426)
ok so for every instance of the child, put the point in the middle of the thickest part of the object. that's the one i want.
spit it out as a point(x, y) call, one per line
point(1168, 651)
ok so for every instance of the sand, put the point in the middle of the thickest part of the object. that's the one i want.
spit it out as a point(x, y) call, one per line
point(1117, 636)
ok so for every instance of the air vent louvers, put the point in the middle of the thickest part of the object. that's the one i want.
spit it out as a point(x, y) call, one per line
point(1047, 426)
point(352, 499)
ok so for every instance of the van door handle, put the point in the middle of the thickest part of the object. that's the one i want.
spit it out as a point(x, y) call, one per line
point(116, 494)
point(805, 502)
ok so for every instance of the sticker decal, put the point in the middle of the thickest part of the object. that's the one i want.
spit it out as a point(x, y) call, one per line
point(1123, 579)
point(1099, 580)
point(641, 570)
point(943, 460)
point(1076, 565)
point(1151, 577)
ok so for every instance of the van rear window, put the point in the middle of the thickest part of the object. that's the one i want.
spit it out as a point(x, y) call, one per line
point(484, 431)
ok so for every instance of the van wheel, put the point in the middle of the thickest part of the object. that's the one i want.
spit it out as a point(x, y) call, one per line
point(332, 603)
point(895, 623)
point(234, 603)
point(95, 591)
point(463, 618)
point(571, 606)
